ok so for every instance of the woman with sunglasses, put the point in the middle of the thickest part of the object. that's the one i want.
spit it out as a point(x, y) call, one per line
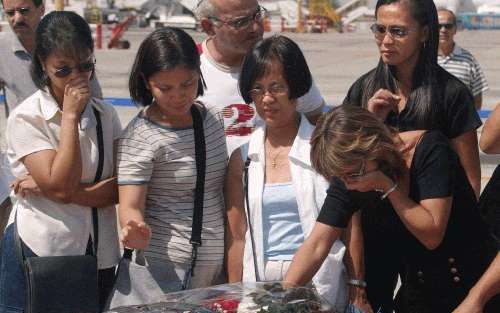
point(53, 139)
point(408, 90)
point(269, 216)
point(443, 242)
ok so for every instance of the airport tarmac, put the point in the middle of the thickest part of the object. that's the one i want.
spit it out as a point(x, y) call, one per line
point(336, 61)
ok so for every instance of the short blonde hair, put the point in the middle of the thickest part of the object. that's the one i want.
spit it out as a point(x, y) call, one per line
point(348, 135)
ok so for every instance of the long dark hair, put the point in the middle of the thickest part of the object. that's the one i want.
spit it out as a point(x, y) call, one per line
point(424, 75)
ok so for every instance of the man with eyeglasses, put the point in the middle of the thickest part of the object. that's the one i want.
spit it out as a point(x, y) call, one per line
point(16, 45)
point(233, 27)
point(15, 51)
point(458, 61)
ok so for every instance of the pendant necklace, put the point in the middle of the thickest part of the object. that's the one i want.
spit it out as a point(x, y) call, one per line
point(273, 162)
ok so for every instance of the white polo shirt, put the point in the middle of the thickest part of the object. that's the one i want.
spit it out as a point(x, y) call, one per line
point(49, 228)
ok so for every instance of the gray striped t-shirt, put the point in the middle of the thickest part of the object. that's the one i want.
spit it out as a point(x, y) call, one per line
point(164, 159)
point(462, 64)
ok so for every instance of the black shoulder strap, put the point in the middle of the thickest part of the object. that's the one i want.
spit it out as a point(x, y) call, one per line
point(98, 174)
point(200, 155)
point(247, 206)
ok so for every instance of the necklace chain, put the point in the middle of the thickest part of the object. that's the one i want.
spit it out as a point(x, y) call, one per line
point(273, 162)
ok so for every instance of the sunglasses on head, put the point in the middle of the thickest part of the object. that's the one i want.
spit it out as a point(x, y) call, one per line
point(22, 11)
point(447, 26)
point(380, 30)
point(82, 68)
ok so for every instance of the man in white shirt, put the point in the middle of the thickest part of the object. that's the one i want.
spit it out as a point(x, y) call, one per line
point(233, 27)
point(458, 61)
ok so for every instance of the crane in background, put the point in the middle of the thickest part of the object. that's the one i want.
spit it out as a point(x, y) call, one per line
point(321, 9)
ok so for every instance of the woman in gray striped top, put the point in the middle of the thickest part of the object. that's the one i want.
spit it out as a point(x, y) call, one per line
point(157, 168)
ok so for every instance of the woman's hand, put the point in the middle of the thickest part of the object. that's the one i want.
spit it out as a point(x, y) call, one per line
point(76, 96)
point(25, 185)
point(358, 299)
point(135, 235)
point(383, 102)
point(371, 181)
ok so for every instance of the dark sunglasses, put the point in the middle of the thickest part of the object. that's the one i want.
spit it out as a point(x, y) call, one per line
point(380, 30)
point(447, 26)
point(82, 68)
point(22, 11)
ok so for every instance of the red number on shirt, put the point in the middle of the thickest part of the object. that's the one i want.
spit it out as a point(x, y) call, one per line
point(242, 115)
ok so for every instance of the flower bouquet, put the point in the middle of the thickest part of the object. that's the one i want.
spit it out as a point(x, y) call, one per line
point(269, 297)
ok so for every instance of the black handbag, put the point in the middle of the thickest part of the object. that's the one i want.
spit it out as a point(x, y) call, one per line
point(65, 284)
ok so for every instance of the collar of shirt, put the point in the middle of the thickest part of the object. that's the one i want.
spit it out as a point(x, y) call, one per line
point(50, 109)
point(16, 46)
point(300, 148)
point(457, 50)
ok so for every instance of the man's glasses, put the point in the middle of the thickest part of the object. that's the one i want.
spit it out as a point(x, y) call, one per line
point(358, 174)
point(396, 32)
point(275, 90)
point(245, 21)
point(22, 11)
point(447, 26)
point(82, 68)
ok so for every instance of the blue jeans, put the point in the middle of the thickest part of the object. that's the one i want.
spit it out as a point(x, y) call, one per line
point(12, 281)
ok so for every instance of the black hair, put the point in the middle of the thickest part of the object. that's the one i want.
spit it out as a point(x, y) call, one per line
point(424, 75)
point(258, 60)
point(64, 31)
point(164, 49)
point(36, 3)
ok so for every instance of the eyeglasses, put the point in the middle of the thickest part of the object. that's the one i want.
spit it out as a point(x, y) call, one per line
point(243, 22)
point(447, 26)
point(358, 174)
point(82, 68)
point(275, 90)
point(23, 11)
point(396, 32)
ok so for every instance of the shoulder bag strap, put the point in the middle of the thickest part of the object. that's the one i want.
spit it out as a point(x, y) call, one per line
point(250, 228)
point(200, 155)
point(98, 174)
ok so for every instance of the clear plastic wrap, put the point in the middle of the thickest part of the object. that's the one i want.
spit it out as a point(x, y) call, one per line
point(268, 297)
